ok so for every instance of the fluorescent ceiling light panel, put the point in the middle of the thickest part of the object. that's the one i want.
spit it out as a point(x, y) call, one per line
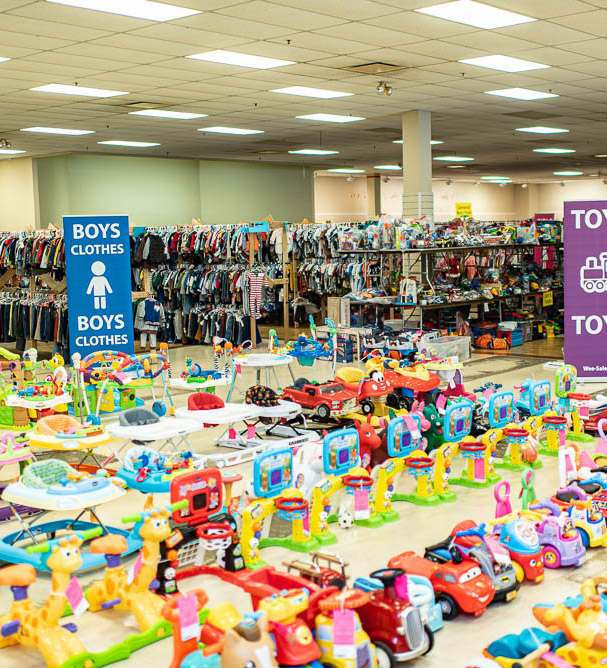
point(240, 59)
point(10, 151)
point(313, 151)
point(601, 155)
point(161, 113)
point(331, 118)
point(453, 158)
point(567, 173)
point(456, 166)
point(139, 9)
point(305, 91)
point(82, 91)
point(433, 142)
point(494, 178)
point(3, 60)
point(220, 129)
point(394, 168)
point(541, 130)
point(554, 150)
point(520, 94)
point(346, 170)
point(504, 63)
point(131, 144)
point(475, 14)
point(58, 131)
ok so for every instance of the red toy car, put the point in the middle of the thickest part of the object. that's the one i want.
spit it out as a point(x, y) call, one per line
point(458, 587)
point(394, 624)
point(323, 400)
point(374, 386)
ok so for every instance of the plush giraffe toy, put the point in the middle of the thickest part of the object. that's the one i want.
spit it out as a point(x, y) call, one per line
point(33, 626)
point(153, 526)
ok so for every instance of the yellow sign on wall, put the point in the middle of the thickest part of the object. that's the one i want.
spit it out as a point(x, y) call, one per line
point(463, 209)
point(547, 298)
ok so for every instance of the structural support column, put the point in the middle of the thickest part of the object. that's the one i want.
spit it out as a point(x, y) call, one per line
point(373, 195)
point(418, 200)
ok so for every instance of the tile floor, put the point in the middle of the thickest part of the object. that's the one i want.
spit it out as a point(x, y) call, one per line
point(457, 644)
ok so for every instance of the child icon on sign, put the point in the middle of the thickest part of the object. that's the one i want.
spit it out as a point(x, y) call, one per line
point(99, 285)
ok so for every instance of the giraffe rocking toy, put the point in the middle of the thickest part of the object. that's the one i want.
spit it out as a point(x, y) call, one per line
point(134, 594)
point(33, 626)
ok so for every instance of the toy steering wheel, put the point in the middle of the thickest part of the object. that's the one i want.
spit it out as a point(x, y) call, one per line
point(170, 610)
point(358, 481)
point(347, 599)
point(387, 575)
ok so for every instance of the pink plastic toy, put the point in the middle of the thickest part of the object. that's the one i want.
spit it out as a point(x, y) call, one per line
point(503, 505)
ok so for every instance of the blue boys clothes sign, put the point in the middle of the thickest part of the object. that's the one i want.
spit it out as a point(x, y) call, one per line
point(98, 268)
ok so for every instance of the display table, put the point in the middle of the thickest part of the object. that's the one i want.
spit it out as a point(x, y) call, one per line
point(266, 361)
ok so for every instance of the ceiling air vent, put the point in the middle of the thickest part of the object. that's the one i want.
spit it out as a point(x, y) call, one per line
point(374, 68)
point(144, 105)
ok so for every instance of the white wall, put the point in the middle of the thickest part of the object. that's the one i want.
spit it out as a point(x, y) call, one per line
point(337, 200)
point(17, 194)
point(552, 195)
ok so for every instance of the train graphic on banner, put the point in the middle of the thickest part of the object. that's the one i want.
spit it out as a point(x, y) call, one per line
point(593, 275)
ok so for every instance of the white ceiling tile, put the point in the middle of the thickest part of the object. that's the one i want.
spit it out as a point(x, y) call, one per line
point(191, 40)
point(40, 43)
point(229, 25)
point(543, 10)
point(397, 57)
point(420, 24)
point(281, 15)
point(594, 48)
point(548, 55)
point(594, 68)
point(30, 26)
point(444, 50)
point(369, 34)
point(344, 9)
point(7, 51)
point(111, 52)
point(593, 23)
point(547, 32)
point(492, 41)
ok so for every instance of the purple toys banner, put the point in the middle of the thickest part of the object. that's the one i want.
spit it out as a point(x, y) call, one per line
point(585, 236)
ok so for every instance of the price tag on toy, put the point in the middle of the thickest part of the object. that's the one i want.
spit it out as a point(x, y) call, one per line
point(584, 412)
point(412, 426)
point(75, 597)
point(188, 617)
point(361, 504)
point(133, 572)
point(344, 632)
point(250, 431)
point(238, 369)
point(562, 438)
point(231, 434)
point(441, 402)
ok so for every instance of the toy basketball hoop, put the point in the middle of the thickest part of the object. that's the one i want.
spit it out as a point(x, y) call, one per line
point(352, 482)
point(418, 463)
point(215, 536)
point(291, 508)
point(472, 449)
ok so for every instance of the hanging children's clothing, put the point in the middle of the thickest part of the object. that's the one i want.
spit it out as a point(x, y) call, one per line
point(256, 281)
point(149, 317)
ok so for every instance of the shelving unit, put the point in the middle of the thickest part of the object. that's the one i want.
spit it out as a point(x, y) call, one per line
point(418, 262)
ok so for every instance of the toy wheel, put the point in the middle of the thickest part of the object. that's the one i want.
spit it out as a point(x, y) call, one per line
point(518, 569)
point(348, 599)
point(323, 412)
point(384, 655)
point(448, 606)
point(367, 407)
point(585, 538)
point(552, 557)
point(428, 640)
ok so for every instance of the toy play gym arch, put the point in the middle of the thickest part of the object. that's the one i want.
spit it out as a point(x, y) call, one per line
point(273, 485)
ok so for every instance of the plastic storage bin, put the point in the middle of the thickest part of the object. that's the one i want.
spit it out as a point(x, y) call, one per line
point(527, 328)
point(397, 325)
point(514, 337)
point(447, 346)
